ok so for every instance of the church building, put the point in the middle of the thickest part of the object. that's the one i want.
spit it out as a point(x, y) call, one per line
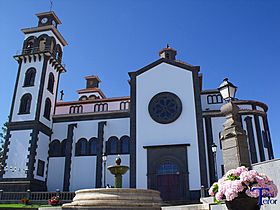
point(164, 130)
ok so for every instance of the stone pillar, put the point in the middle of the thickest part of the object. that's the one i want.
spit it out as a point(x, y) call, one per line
point(234, 140)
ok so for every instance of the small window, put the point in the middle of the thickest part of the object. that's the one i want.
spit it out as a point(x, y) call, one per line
point(55, 148)
point(81, 147)
point(102, 107)
point(93, 146)
point(124, 105)
point(83, 98)
point(47, 111)
point(40, 168)
point(25, 104)
point(167, 168)
point(112, 145)
point(51, 82)
point(76, 109)
point(63, 147)
point(29, 77)
point(124, 145)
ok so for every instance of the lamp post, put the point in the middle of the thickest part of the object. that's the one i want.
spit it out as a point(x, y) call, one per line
point(233, 137)
point(214, 151)
point(104, 159)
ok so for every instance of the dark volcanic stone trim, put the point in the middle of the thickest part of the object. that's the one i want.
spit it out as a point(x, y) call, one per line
point(6, 150)
point(133, 139)
point(93, 116)
point(32, 153)
point(209, 140)
point(68, 156)
point(163, 60)
point(32, 124)
point(21, 185)
point(251, 139)
point(15, 91)
point(41, 88)
point(55, 99)
point(270, 148)
point(200, 133)
point(259, 136)
point(167, 145)
point(100, 137)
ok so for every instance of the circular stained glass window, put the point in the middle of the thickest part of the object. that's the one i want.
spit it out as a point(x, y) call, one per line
point(165, 107)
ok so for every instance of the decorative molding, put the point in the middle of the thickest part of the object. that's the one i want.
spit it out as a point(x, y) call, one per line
point(91, 116)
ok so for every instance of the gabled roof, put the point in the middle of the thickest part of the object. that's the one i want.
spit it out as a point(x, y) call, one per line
point(176, 63)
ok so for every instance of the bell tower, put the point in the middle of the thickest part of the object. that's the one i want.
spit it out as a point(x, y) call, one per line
point(30, 121)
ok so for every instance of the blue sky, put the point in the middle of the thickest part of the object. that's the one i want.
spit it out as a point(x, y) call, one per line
point(238, 39)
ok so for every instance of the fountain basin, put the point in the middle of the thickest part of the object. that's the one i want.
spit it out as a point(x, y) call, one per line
point(115, 198)
point(118, 170)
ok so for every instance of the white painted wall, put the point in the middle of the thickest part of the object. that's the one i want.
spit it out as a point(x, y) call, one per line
point(217, 127)
point(88, 107)
point(23, 90)
point(83, 168)
point(207, 107)
point(83, 173)
point(18, 152)
point(55, 173)
point(165, 77)
point(48, 94)
point(42, 154)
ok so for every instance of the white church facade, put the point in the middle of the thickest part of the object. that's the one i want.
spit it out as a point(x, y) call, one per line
point(164, 130)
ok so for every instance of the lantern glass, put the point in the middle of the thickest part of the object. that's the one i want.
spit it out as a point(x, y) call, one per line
point(214, 148)
point(227, 90)
point(104, 157)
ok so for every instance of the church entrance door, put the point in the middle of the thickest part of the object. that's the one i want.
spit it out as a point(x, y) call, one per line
point(168, 181)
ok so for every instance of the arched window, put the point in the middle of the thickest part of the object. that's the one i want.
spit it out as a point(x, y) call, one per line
point(55, 148)
point(167, 167)
point(63, 147)
point(58, 53)
point(25, 104)
point(76, 109)
point(29, 77)
point(83, 98)
point(112, 145)
point(92, 97)
point(93, 146)
point(29, 45)
point(51, 82)
point(81, 147)
point(124, 105)
point(102, 107)
point(42, 44)
point(48, 106)
point(124, 145)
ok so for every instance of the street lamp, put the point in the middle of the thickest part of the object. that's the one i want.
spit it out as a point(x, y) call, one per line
point(214, 151)
point(104, 159)
point(233, 137)
point(227, 90)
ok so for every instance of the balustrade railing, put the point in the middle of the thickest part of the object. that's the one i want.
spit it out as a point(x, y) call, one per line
point(35, 196)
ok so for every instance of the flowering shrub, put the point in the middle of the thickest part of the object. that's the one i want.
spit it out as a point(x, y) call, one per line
point(242, 180)
point(25, 201)
point(54, 201)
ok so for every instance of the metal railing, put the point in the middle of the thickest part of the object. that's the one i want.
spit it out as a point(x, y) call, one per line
point(46, 48)
point(35, 196)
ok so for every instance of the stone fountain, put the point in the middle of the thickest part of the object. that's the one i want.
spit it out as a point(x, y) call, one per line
point(115, 198)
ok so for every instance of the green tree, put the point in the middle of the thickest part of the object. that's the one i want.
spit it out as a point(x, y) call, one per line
point(3, 134)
